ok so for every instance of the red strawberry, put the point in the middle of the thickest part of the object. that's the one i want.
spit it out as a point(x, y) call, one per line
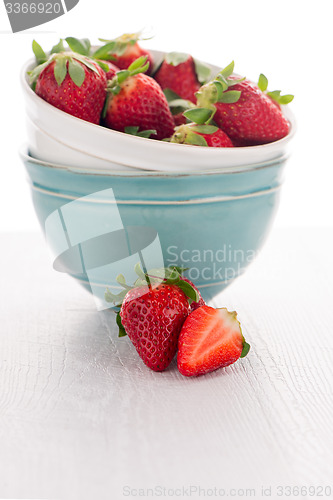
point(245, 113)
point(275, 95)
point(253, 119)
point(152, 319)
point(153, 312)
point(179, 119)
point(111, 71)
point(82, 46)
point(178, 73)
point(200, 301)
point(124, 50)
point(201, 135)
point(136, 100)
point(210, 339)
point(73, 83)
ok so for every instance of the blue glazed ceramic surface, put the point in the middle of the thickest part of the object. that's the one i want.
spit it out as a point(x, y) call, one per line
point(211, 222)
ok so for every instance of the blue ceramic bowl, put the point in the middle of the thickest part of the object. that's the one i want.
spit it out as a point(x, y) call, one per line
point(99, 224)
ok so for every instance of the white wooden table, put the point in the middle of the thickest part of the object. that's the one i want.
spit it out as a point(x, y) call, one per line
point(81, 417)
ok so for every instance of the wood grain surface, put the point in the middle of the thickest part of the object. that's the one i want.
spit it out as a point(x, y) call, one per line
point(81, 417)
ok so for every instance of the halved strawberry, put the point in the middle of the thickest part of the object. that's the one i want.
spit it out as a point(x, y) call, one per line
point(209, 339)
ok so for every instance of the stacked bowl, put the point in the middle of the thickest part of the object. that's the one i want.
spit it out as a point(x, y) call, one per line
point(106, 199)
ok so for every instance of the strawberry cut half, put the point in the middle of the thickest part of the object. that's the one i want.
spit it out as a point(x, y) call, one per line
point(210, 339)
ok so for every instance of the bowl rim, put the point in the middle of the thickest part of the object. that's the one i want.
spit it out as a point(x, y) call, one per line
point(26, 157)
point(205, 153)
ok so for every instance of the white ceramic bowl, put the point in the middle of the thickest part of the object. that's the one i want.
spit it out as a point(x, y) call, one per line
point(44, 147)
point(116, 148)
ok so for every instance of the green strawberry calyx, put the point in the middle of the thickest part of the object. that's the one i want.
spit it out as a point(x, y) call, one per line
point(135, 130)
point(176, 58)
point(41, 56)
point(218, 90)
point(65, 63)
point(246, 348)
point(117, 46)
point(150, 279)
point(199, 124)
point(275, 94)
point(191, 134)
point(176, 103)
point(83, 46)
point(140, 65)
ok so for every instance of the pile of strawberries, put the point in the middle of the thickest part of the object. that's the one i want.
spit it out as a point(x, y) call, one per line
point(164, 312)
point(118, 86)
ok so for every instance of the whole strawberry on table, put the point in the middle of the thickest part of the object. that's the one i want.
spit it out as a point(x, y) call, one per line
point(164, 312)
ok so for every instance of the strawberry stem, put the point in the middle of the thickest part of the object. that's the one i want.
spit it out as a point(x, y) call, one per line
point(166, 275)
point(246, 348)
point(65, 62)
point(140, 65)
point(218, 89)
point(275, 94)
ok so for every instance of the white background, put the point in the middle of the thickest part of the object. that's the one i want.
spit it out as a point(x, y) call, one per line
point(290, 42)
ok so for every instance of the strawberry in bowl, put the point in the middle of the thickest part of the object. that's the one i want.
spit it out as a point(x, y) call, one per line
point(256, 121)
point(242, 109)
point(124, 50)
point(182, 74)
point(136, 100)
point(73, 83)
